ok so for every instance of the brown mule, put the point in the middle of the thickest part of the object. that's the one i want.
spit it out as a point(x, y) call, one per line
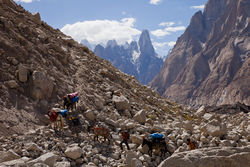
point(161, 145)
point(56, 119)
point(101, 131)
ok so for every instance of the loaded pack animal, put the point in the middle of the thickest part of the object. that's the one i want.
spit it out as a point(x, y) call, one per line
point(74, 125)
point(101, 131)
point(70, 100)
point(56, 116)
point(156, 145)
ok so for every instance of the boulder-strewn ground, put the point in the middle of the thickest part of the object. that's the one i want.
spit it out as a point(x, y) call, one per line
point(39, 65)
point(223, 140)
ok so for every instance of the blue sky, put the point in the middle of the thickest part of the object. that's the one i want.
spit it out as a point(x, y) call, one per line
point(123, 20)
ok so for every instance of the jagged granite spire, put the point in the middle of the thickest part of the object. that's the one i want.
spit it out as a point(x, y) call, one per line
point(145, 44)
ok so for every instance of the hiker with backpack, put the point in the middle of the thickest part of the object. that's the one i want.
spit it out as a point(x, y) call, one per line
point(192, 144)
point(70, 100)
point(125, 137)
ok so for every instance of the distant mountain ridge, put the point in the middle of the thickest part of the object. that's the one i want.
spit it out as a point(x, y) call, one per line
point(137, 58)
point(210, 61)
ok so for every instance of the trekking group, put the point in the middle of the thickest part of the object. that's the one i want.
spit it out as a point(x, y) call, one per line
point(57, 116)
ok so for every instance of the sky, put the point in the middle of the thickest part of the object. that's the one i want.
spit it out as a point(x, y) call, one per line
point(123, 20)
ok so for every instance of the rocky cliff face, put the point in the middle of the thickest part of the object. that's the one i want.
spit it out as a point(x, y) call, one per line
point(39, 65)
point(137, 59)
point(210, 61)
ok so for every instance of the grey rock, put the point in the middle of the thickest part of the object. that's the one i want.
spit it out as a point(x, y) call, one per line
point(210, 157)
point(73, 152)
point(22, 73)
point(8, 156)
point(121, 103)
point(48, 159)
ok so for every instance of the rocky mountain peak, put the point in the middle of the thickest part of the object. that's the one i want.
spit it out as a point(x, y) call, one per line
point(145, 43)
point(134, 46)
point(138, 59)
point(206, 59)
point(214, 8)
point(111, 43)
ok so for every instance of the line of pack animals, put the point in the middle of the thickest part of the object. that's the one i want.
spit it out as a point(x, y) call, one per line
point(57, 116)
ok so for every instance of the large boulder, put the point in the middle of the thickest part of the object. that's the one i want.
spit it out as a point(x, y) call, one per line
point(188, 125)
point(144, 149)
point(16, 162)
point(22, 73)
point(129, 156)
point(33, 147)
point(8, 156)
point(121, 103)
point(210, 157)
point(73, 152)
point(140, 116)
point(111, 122)
point(136, 163)
point(200, 111)
point(136, 139)
point(48, 159)
point(90, 115)
point(12, 84)
point(215, 129)
point(42, 85)
point(208, 116)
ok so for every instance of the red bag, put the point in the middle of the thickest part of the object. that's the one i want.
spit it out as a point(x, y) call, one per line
point(52, 115)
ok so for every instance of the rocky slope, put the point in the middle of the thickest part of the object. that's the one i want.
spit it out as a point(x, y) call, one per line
point(210, 61)
point(137, 58)
point(223, 140)
point(39, 65)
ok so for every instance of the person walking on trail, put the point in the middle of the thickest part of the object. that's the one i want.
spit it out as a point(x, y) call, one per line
point(125, 137)
point(191, 144)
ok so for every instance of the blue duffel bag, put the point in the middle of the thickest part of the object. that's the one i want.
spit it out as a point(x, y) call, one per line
point(64, 113)
point(156, 136)
point(75, 99)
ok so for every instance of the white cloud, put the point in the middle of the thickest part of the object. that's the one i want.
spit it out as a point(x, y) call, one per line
point(155, 2)
point(160, 33)
point(25, 1)
point(175, 29)
point(201, 7)
point(159, 44)
point(163, 44)
point(167, 31)
point(162, 48)
point(166, 24)
point(100, 31)
point(171, 44)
